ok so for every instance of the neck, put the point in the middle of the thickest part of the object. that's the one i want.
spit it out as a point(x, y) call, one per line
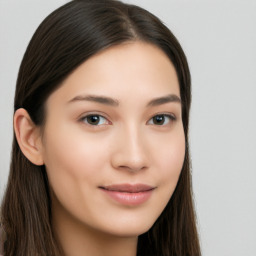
point(79, 239)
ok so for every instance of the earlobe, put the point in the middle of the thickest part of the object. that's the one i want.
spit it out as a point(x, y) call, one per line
point(28, 136)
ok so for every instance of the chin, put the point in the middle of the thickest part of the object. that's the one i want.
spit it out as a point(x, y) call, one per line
point(130, 228)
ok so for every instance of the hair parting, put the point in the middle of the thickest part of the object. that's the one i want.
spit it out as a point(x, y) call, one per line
point(64, 40)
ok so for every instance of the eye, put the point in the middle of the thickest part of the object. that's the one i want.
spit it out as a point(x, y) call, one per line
point(94, 119)
point(162, 119)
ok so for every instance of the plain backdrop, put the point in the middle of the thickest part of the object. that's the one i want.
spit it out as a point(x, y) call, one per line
point(219, 39)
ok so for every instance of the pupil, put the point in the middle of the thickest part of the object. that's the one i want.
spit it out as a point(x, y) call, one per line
point(159, 119)
point(93, 119)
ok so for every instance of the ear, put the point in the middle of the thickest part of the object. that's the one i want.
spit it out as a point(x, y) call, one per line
point(28, 136)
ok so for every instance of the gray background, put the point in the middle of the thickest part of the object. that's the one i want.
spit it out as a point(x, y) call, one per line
point(219, 38)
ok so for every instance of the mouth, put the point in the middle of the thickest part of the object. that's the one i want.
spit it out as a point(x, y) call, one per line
point(128, 194)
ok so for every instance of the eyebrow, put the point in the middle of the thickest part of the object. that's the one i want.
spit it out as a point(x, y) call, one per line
point(114, 102)
point(99, 99)
point(163, 100)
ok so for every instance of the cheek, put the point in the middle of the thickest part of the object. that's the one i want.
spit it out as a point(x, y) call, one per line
point(72, 160)
point(170, 151)
point(169, 159)
point(74, 164)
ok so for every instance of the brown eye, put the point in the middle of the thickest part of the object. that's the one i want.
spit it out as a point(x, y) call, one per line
point(162, 119)
point(95, 120)
point(159, 120)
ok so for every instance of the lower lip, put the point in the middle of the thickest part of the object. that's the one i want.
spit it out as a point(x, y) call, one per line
point(126, 198)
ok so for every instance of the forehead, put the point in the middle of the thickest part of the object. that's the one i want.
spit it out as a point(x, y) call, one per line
point(124, 71)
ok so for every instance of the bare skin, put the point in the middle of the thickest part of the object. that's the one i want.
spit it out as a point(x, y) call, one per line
point(114, 124)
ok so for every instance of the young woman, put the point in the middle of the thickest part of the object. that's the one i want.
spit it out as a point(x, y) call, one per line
point(100, 160)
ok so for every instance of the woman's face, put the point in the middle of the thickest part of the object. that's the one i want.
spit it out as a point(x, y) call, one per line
point(113, 143)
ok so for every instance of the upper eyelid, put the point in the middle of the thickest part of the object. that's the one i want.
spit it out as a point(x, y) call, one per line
point(91, 113)
point(164, 114)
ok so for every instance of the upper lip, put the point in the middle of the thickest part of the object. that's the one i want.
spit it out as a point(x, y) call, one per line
point(130, 188)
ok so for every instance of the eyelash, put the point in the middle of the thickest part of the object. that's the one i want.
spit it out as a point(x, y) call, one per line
point(171, 118)
point(85, 119)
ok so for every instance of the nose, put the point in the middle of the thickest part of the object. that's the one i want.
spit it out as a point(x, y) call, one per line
point(130, 152)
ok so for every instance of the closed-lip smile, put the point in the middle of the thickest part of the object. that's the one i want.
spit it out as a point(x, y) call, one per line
point(128, 194)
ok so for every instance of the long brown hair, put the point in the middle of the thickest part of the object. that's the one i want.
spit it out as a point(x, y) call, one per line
point(64, 40)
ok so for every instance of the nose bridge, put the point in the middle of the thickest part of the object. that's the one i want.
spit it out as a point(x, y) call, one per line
point(134, 140)
point(131, 151)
